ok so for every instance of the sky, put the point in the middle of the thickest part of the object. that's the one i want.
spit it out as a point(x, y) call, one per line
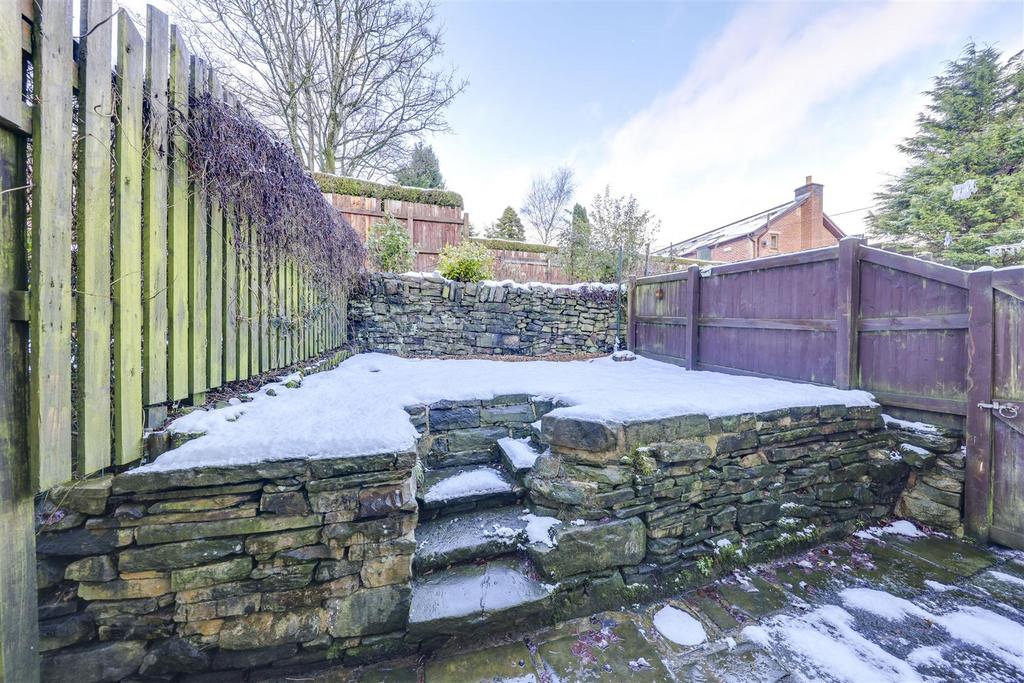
point(705, 111)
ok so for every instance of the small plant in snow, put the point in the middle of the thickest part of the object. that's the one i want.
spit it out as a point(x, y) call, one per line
point(705, 565)
point(466, 262)
point(390, 247)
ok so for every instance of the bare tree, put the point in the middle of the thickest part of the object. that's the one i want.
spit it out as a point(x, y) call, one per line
point(351, 83)
point(545, 203)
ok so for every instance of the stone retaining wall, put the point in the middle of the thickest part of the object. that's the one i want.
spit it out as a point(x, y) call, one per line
point(430, 316)
point(935, 489)
point(689, 494)
point(156, 574)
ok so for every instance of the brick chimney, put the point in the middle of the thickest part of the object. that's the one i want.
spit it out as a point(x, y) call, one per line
point(811, 212)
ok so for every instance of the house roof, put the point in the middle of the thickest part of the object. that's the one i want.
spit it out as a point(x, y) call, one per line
point(744, 227)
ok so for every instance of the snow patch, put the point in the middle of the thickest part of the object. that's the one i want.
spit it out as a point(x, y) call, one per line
point(538, 529)
point(358, 407)
point(908, 426)
point(469, 483)
point(1006, 578)
point(900, 527)
point(519, 451)
point(881, 604)
point(680, 627)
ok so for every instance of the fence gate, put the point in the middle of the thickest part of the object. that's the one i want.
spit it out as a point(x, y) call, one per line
point(995, 446)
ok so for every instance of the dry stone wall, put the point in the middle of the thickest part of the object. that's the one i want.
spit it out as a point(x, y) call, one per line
point(210, 570)
point(934, 494)
point(685, 494)
point(299, 564)
point(426, 315)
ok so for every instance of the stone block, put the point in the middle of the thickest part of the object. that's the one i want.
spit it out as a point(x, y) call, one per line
point(517, 413)
point(577, 434)
point(111, 661)
point(124, 590)
point(288, 503)
point(211, 574)
point(270, 629)
point(453, 418)
point(590, 548)
point(369, 611)
point(177, 555)
point(166, 533)
point(96, 569)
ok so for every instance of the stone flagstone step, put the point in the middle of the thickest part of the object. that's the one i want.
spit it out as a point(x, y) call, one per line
point(463, 488)
point(518, 455)
point(472, 598)
point(473, 535)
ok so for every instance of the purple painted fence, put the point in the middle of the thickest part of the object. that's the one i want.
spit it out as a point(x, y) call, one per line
point(936, 341)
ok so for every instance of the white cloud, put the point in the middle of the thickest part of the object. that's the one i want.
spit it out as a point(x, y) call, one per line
point(776, 96)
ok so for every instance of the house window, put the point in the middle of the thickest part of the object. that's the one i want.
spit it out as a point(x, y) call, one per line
point(704, 253)
point(773, 240)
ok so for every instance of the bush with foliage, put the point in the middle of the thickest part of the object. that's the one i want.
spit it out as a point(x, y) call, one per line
point(390, 247)
point(364, 188)
point(466, 262)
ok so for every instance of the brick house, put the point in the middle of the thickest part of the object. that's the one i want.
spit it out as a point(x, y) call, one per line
point(794, 226)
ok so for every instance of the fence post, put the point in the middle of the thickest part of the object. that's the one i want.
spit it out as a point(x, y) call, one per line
point(630, 314)
point(847, 311)
point(19, 656)
point(978, 484)
point(692, 315)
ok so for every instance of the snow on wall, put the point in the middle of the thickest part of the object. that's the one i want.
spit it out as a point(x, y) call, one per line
point(357, 408)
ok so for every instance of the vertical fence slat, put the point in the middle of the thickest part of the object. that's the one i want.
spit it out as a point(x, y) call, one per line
point(154, 211)
point(50, 280)
point(692, 316)
point(215, 277)
point(94, 312)
point(847, 299)
point(978, 441)
point(230, 297)
point(264, 289)
point(177, 224)
point(242, 250)
point(270, 282)
point(197, 265)
point(254, 301)
point(128, 244)
point(19, 655)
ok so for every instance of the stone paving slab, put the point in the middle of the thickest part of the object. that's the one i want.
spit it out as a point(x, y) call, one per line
point(880, 608)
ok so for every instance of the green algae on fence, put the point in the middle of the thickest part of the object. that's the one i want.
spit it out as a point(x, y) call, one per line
point(128, 247)
point(94, 312)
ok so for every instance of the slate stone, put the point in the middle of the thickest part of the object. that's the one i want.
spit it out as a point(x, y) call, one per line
point(167, 533)
point(95, 568)
point(79, 542)
point(211, 574)
point(175, 656)
point(586, 435)
point(177, 555)
point(453, 418)
point(111, 661)
point(288, 503)
point(65, 631)
point(269, 629)
point(370, 611)
point(510, 662)
point(590, 548)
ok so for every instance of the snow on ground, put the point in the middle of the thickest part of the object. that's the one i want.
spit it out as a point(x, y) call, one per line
point(469, 483)
point(881, 604)
point(679, 626)
point(519, 451)
point(899, 528)
point(357, 408)
point(830, 648)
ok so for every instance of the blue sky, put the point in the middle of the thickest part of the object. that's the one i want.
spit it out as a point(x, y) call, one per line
point(706, 111)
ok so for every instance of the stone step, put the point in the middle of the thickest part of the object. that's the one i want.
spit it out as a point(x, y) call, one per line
point(518, 455)
point(475, 598)
point(474, 535)
point(536, 436)
point(456, 489)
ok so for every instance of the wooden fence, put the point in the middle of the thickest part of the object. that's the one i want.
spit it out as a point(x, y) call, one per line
point(919, 336)
point(431, 227)
point(122, 285)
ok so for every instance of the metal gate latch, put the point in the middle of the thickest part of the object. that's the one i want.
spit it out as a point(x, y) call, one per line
point(1008, 411)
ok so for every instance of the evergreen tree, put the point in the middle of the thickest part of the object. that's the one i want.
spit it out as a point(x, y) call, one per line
point(423, 169)
point(971, 130)
point(575, 249)
point(508, 227)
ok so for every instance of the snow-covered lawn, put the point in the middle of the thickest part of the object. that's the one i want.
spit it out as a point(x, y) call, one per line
point(357, 408)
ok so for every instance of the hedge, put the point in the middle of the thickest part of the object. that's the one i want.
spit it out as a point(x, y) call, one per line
point(512, 245)
point(364, 188)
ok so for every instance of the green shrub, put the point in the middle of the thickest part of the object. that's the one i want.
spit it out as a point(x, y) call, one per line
point(390, 247)
point(512, 245)
point(466, 262)
point(365, 188)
